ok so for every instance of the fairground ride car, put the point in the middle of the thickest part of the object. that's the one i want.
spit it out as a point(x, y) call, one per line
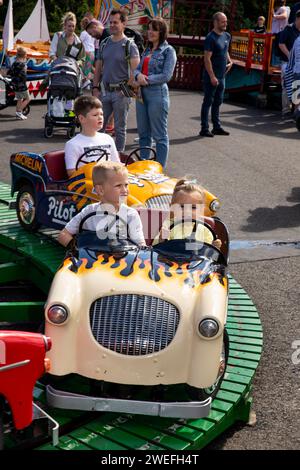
point(125, 317)
point(46, 196)
point(22, 362)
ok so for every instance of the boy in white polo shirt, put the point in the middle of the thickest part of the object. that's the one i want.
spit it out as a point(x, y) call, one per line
point(89, 142)
point(110, 180)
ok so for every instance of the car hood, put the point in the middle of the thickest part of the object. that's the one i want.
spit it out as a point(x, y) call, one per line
point(148, 266)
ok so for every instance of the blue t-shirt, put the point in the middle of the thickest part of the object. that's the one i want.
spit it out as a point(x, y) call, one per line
point(218, 44)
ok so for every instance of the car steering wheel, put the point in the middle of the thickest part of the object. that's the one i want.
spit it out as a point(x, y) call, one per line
point(136, 156)
point(103, 155)
point(196, 223)
point(109, 225)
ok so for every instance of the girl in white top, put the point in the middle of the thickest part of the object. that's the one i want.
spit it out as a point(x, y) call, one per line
point(89, 45)
point(280, 17)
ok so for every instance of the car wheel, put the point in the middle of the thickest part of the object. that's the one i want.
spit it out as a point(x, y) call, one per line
point(200, 394)
point(71, 132)
point(48, 132)
point(26, 110)
point(26, 208)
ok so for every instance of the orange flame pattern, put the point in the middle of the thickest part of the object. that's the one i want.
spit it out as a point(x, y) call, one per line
point(157, 269)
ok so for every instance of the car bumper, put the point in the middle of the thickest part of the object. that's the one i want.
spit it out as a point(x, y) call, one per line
point(73, 401)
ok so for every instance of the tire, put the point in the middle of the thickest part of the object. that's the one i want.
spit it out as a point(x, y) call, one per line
point(48, 132)
point(71, 132)
point(200, 394)
point(26, 110)
point(26, 208)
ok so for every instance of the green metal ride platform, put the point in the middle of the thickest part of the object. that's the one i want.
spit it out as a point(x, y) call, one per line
point(36, 257)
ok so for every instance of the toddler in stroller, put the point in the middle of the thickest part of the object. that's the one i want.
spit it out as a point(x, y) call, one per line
point(64, 86)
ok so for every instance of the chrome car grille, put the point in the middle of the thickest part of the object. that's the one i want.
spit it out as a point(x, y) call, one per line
point(159, 202)
point(132, 324)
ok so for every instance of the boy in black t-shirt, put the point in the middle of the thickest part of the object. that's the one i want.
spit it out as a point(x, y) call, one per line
point(260, 27)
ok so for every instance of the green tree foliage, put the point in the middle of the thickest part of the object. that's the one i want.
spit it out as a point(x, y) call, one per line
point(55, 9)
point(246, 14)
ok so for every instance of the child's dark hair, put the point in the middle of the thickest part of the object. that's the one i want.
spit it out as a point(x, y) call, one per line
point(121, 12)
point(84, 104)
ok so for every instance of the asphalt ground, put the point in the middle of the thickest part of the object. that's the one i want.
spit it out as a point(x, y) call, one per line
point(256, 174)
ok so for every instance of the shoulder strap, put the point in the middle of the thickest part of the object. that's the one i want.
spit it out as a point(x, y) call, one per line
point(103, 44)
point(128, 44)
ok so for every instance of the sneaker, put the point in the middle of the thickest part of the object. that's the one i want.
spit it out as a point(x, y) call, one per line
point(220, 131)
point(21, 116)
point(205, 133)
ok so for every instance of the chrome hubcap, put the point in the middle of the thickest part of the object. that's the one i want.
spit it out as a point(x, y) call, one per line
point(27, 208)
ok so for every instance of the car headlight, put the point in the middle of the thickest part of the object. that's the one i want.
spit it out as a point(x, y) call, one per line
point(57, 314)
point(214, 205)
point(208, 327)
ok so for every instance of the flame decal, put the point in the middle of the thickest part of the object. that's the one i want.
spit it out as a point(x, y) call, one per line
point(152, 266)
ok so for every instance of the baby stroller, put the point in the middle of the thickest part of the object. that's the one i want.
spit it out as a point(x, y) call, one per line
point(7, 94)
point(64, 87)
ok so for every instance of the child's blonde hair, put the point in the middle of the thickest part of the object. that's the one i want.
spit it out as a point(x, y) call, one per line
point(69, 16)
point(21, 52)
point(101, 169)
point(188, 186)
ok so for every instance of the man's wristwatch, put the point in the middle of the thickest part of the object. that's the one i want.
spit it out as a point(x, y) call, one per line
point(97, 87)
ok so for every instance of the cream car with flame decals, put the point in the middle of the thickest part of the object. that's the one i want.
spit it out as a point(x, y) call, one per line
point(118, 314)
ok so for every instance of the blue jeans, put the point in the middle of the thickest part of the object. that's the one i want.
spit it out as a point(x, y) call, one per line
point(213, 98)
point(118, 104)
point(152, 121)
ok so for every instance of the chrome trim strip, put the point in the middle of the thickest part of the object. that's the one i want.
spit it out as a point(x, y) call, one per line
point(14, 365)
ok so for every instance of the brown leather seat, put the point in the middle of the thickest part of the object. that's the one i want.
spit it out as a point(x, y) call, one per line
point(55, 162)
point(152, 220)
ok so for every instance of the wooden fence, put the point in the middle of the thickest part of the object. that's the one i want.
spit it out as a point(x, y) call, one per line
point(188, 73)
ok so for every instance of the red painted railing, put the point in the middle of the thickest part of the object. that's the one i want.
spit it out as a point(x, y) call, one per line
point(188, 73)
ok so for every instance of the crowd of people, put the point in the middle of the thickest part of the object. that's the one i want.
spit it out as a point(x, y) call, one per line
point(116, 66)
point(285, 27)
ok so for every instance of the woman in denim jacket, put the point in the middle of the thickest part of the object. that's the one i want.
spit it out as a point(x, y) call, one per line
point(154, 71)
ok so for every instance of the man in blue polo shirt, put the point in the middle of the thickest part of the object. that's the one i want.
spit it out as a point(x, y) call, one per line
point(217, 63)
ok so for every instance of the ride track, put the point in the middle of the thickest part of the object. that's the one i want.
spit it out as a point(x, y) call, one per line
point(35, 257)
